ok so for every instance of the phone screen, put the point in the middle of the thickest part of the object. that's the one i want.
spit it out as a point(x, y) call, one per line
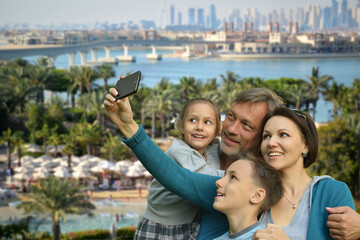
point(128, 85)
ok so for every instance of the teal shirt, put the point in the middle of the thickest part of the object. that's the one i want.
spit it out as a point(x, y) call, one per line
point(201, 190)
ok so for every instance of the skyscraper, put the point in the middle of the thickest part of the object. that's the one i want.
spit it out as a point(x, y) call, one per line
point(172, 15)
point(191, 16)
point(334, 13)
point(200, 17)
point(325, 18)
point(344, 13)
point(212, 17)
point(179, 18)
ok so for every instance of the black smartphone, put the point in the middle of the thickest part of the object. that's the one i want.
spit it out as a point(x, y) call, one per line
point(128, 85)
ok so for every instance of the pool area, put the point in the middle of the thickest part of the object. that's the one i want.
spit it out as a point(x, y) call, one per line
point(104, 215)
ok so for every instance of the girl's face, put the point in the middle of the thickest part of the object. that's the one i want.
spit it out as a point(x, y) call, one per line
point(236, 188)
point(283, 143)
point(199, 126)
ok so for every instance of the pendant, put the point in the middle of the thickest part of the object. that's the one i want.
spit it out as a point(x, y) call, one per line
point(294, 206)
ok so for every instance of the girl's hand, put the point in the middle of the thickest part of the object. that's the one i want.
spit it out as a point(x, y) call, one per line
point(120, 113)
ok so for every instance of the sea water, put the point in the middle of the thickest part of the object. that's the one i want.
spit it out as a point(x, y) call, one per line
point(344, 70)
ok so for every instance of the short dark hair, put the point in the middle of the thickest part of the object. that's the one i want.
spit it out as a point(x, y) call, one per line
point(306, 125)
point(266, 177)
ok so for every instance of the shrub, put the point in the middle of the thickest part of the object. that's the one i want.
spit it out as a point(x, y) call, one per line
point(89, 234)
point(126, 233)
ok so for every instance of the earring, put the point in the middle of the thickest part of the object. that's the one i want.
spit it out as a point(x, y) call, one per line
point(304, 154)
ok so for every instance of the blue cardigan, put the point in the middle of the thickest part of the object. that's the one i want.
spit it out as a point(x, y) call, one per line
point(201, 190)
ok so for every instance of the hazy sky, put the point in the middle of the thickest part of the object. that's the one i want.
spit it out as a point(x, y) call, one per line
point(117, 11)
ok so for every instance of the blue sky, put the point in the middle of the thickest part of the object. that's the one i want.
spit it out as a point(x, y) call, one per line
point(116, 11)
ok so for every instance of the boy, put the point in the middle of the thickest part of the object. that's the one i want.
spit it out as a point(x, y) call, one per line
point(250, 186)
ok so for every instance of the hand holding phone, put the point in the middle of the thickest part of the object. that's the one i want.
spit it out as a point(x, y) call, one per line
point(128, 85)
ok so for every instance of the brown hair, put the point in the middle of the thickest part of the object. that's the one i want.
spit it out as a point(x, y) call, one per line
point(185, 111)
point(266, 177)
point(259, 95)
point(306, 125)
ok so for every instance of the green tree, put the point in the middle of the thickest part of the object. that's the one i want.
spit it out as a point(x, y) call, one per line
point(187, 88)
point(110, 146)
point(7, 137)
point(18, 142)
point(96, 104)
point(44, 134)
point(318, 84)
point(39, 76)
point(35, 116)
point(55, 198)
point(356, 91)
point(229, 80)
point(337, 153)
point(88, 134)
point(337, 94)
point(105, 71)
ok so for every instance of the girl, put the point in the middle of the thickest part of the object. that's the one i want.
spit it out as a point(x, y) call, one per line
point(168, 216)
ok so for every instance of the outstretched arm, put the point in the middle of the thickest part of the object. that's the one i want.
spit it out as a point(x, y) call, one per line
point(197, 188)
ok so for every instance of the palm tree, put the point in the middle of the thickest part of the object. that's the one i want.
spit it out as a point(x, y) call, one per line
point(111, 143)
point(105, 71)
point(39, 75)
point(161, 103)
point(335, 94)
point(88, 134)
point(187, 87)
point(18, 142)
point(356, 89)
point(83, 102)
point(55, 198)
point(44, 134)
point(82, 77)
point(55, 139)
point(318, 84)
point(229, 80)
point(7, 137)
point(96, 104)
point(298, 92)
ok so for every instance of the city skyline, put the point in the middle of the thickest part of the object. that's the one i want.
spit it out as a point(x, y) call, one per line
point(46, 12)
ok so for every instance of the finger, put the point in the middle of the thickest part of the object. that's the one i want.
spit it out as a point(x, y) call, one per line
point(333, 224)
point(336, 209)
point(108, 103)
point(110, 98)
point(113, 91)
point(336, 218)
point(336, 236)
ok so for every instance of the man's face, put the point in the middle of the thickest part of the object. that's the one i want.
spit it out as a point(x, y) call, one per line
point(241, 127)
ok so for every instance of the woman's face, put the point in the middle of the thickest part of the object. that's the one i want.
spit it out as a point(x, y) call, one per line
point(283, 144)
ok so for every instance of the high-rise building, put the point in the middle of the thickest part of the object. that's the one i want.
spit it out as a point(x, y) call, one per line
point(191, 16)
point(325, 21)
point(172, 15)
point(212, 17)
point(200, 17)
point(334, 13)
point(300, 16)
point(162, 21)
point(234, 16)
point(282, 19)
point(344, 13)
point(179, 19)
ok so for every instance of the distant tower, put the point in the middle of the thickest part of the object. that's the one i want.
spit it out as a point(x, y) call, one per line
point(212, 17)
point(162, 22)
point(344, 13)
point(179, 19)
point(191, 16)
point(172, 15)
point(200, 17)
point(334, 13)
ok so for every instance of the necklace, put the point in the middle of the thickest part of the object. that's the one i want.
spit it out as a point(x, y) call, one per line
point(293, 204)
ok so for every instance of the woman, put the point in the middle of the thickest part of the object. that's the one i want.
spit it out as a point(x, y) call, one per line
point(201, 189)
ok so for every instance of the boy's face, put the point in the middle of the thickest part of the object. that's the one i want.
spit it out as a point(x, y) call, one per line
point(235, 189)
point(199, 126)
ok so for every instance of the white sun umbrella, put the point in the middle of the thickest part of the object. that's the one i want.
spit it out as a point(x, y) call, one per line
point(62, 173)
point(134, 171)
point(56, 162)
point(125, 163)
point(119, 169)
point(42, 173)
point(139, 165)
point(61, 168)
point(106, 164)
point(80, 174)
point(27, 158)
point(44, 158)
point(81, 168)
point(147, 174)
point(23, 176)
point(24, 169)
point(87, 157)
point(96, 169)
point(42, 168)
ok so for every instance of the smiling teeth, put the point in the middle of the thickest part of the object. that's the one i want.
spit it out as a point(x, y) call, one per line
point(274, 154)
point(219, 194)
